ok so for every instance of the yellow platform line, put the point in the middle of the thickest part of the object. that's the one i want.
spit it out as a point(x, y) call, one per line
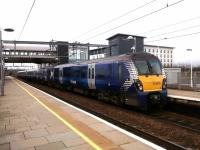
point(88, 140)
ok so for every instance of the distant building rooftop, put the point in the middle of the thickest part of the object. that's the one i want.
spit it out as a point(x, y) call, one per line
point(159, 46)
point(27, 47)
point(120, 34)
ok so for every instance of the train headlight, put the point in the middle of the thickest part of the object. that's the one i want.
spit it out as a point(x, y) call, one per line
point(140, 88)
point(139, 85)
point(164, 85)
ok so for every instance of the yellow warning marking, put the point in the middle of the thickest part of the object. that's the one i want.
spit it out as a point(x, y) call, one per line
point(89, 141)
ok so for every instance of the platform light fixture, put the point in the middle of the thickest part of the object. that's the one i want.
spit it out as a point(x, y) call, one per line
point(191, 78)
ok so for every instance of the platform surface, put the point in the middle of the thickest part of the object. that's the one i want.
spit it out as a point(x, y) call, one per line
point(33, 120)
point(189, 95)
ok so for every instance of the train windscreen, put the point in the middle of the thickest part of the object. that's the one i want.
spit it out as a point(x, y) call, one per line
point(147, 67)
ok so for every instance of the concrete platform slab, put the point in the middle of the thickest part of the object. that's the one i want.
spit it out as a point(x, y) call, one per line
point(184, 95)
point(32, 119)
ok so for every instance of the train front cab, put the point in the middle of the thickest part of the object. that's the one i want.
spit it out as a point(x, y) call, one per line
point(153, 93)
point(151, 84)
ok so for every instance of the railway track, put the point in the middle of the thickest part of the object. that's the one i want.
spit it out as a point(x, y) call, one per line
point(124, 121)
point(180, 108)
point(185, 122)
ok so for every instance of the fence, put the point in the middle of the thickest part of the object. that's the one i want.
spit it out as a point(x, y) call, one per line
point(179, 79)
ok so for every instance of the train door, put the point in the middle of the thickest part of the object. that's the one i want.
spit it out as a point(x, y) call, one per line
point(51, 76)
point(91, 76)
point(61, 75)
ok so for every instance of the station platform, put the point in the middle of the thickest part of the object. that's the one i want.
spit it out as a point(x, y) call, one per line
point(33, 120)
point(183, 96)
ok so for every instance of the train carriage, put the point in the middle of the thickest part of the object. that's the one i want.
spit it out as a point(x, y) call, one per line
point(134, 79)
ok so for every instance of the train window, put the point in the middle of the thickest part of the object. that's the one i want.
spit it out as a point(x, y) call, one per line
point(76, 72)
point(155, 66)
point(100, 76)
point(103, 71)
point(56, 72)
point(83, 72)
point(100, 72)
point(145, 67)
point(66, 72)
point(142, 66)
point(92, 73)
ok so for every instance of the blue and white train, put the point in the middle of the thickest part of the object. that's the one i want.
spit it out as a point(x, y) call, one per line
point(134, 79)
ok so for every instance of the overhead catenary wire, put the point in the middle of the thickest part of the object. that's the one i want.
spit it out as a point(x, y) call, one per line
point(26, 20)
point(179, 30)
point(116, 18)
point(141, 17)
point(169, 25)
point(172, 37)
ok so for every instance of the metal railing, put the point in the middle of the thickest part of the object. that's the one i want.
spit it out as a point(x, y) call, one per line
point(182, 80)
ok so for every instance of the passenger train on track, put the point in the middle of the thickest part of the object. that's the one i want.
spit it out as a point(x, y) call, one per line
point(136, 79)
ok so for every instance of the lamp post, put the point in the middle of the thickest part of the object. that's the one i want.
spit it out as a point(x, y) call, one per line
point(132, 38)
point(134, 45)
point(191, 80)
point(2, 62)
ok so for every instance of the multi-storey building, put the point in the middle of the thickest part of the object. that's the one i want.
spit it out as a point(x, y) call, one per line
point(125, 43)
point(164, 53)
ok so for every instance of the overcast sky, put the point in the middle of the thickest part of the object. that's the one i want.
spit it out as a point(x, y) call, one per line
point(69, 20)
